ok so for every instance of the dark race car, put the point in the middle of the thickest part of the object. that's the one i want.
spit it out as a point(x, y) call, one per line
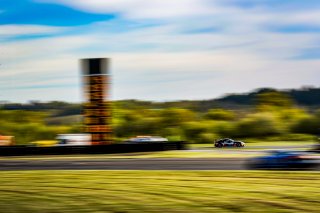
point(227, 142)
point(284, 160)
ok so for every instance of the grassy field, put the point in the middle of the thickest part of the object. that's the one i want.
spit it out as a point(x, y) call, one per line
point(159, 191)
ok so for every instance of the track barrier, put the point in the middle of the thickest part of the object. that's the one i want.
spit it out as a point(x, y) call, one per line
point(96, 149)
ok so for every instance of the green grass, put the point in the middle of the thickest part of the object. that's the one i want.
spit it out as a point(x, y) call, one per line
point(159, 191)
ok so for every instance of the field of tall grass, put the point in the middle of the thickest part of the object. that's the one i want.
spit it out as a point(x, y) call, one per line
point(159, 191)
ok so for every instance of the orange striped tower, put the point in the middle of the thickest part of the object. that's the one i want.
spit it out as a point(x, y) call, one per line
point(97, 110)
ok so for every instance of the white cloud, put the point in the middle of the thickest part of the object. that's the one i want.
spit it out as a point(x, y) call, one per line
point(204, 75)
point(16, 30)
point(172, 60)
point(161, 74)
point(139, 9)
point(214, 10)
point(307, 17)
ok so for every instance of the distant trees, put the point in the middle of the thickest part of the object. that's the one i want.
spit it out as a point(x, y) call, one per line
point(269, 100)
point(259, 125)
point(28, 126)
point(309, 125)
point(306, 96)
point(193, 130)
point(270, 115)
point(220, 114)
point(174, 116)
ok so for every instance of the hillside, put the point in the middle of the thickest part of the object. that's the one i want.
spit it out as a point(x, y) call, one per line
point(306, 97)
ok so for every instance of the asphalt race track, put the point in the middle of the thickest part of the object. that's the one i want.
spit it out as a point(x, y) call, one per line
point(226, 163)
point(128, 164)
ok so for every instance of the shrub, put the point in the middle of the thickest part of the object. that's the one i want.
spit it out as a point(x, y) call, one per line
point(259, 125)
point(206, 138)
point(192, 130)
point(292, 137)
point(220, 114)
point(175, 117)
point(309, 125)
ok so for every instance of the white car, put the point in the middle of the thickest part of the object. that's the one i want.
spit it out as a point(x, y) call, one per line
point(227, 142)
point(73, 140)
point(147, 139)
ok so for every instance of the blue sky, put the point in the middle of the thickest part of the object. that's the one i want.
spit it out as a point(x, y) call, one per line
point(160, 49)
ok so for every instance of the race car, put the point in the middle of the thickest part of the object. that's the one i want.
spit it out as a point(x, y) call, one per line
point(227, 142)
point(284, 160)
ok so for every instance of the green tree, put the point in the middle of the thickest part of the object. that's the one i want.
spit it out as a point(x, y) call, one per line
point(270, 100)
point(193, 130)
point(220, 114)
point(259, 125)
point(173, 117)
point(307, 125)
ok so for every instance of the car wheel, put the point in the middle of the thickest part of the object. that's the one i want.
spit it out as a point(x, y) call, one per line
point(238, 144)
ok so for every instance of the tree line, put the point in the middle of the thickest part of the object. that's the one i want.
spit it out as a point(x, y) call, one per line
point(272, 115)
